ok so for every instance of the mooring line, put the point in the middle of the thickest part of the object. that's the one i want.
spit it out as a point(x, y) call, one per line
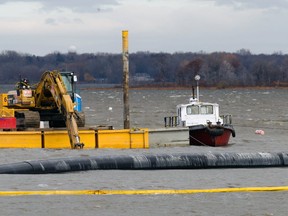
point(198, 141)
point(143, 192)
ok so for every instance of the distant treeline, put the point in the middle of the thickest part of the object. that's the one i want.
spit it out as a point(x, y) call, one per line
point(218, 69)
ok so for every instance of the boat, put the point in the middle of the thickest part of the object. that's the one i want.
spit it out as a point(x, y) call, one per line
point(206, 126)
point(210, 135)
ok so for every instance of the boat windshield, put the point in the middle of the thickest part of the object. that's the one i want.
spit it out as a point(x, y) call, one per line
point(192, 110)
point(207, 109)
point(196, 110)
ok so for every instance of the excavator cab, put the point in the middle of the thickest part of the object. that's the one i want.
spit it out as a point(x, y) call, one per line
point(70, 81)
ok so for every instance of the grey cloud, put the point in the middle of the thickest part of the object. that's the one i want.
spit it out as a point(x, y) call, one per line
point(246, 4)
point(84, 6)
point(51, 21)
point(61, 20)
point(78, 6)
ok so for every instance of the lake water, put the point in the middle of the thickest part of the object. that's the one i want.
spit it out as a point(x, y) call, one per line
point(264, 109)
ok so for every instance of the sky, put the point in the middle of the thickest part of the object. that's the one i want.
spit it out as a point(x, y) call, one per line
point(40, 27)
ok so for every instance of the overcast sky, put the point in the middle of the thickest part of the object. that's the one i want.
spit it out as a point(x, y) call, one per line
point(40, 27)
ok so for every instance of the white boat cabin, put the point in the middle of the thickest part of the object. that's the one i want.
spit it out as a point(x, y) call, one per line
point(195, 113)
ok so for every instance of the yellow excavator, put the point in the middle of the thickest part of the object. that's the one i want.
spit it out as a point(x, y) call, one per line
point(53, 99)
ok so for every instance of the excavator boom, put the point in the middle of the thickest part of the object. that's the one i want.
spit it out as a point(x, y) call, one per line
point(52, 86)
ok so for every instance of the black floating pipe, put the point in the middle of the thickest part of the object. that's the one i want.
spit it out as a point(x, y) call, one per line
point(149, 161)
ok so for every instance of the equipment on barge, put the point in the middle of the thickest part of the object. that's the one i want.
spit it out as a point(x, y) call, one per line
point(53, 99)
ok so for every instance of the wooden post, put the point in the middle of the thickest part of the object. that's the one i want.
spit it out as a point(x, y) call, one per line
point(125, 56)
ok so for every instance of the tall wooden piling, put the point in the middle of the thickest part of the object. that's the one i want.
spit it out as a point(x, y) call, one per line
point(125, 57)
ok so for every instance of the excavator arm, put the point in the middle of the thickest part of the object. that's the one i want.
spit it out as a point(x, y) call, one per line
point(51, 91)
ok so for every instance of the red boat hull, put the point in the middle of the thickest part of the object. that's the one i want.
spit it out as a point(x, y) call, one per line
point(216, 135)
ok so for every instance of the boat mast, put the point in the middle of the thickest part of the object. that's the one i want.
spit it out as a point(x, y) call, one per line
point(197, 78)
point(193, 93)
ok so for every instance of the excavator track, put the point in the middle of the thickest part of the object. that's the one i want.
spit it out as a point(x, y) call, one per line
point(27, 119)
point(58, 120)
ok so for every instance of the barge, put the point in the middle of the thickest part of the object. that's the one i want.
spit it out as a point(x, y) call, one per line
point(59, 138)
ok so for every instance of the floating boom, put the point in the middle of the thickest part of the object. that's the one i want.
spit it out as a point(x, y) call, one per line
point(148, 162)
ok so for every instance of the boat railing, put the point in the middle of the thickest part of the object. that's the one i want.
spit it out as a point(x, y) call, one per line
point(227, 119)
point(171, 121)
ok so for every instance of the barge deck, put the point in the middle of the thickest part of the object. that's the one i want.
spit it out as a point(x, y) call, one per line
point(59, 139)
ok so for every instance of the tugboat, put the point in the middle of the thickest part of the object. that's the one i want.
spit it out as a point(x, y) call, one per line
point(206, 126)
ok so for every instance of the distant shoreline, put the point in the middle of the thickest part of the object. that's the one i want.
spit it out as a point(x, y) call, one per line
point(184, 88)
point(92, 86)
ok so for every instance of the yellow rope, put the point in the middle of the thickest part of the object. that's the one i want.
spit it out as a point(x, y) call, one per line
point(143, 192)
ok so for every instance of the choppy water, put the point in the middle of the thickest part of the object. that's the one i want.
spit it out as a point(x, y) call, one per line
point(251, 110)
point(256, 108)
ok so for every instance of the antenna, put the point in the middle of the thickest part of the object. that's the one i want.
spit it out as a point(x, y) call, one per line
point(197, 78)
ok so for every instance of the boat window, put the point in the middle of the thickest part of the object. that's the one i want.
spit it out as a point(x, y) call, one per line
point(192, 110)
point(179, 112)
point(207, 109)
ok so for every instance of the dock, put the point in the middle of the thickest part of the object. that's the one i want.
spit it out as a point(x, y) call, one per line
point(168, 137)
